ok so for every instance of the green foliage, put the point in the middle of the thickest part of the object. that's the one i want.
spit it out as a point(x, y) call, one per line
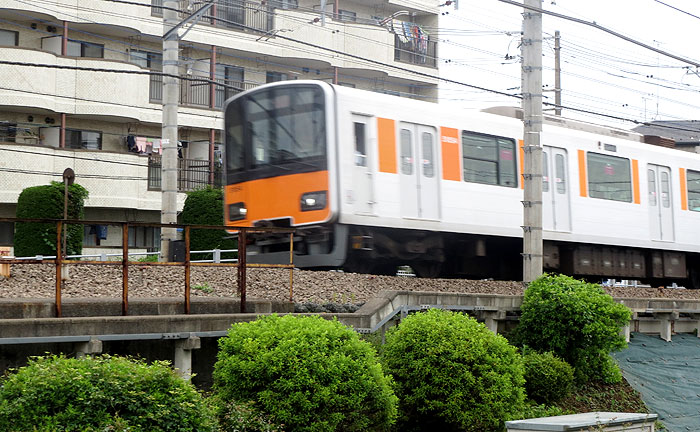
point(548, 378)
point(148, 258)
point(576, 321)
point(237, 416)
point(203, 287)
point(206, 207)
point(95, 394)
point(306, 373)
point(46, 202)
point(453, 374)
point(533, 410)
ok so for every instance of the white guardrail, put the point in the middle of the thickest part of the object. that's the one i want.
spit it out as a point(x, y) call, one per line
point(216, 256)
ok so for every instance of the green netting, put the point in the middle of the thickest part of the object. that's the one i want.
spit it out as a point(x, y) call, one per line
point(667, 374)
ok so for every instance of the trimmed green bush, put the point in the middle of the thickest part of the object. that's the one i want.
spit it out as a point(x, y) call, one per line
point(453, 374)
point(576, 321)
point(206, 207)
point(57, 393)
point(548, 378)
point(237, 416)
point(306, 374)
point(46, 202)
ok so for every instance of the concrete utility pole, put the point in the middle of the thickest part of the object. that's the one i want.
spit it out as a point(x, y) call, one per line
point(171, 91)
point(532, 127)
point(171, 85)
point(557, 73)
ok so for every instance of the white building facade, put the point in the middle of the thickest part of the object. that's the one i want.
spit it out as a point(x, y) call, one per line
point(80, 87)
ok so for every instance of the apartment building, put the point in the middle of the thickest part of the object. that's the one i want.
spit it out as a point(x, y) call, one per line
point(80, 87)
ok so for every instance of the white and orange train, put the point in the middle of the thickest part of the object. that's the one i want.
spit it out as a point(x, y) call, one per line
point(373, 181)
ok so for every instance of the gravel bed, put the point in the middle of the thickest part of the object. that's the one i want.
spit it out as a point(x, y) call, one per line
point(38, 281)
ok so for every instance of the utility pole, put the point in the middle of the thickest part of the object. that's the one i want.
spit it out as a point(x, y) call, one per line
point(171, 85)
point(557, 73)
point(532, 128)
point(171, 91)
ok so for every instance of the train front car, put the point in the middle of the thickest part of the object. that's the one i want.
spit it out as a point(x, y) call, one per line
point(279, 166)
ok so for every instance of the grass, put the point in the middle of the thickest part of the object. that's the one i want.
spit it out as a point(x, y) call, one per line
point(604, 397)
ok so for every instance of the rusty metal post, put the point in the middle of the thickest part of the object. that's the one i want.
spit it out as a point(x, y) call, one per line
point(187, 270)
point(125, 269)
point(241, 268)
point(59, 263)
point(291, 270)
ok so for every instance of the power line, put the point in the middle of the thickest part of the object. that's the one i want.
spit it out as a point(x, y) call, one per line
point(675, 8)
point(605, 29)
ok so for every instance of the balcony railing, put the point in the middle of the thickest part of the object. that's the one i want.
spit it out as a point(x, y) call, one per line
point(192, 174)
point(198, 93)
point(417, 51)
point(255, 16)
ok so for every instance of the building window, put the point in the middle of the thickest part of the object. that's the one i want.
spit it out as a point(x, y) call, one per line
point(346, 15)
point(8, 131)
point(693, 180)
point(144, 237)
point(79, 139)
point(9, 38)
point(276, 76)
point(146, 59)
point(488, 159)
point(284, 4)
point(7, 233)
point(230, 76)
point(609, 177)
point(84, 49)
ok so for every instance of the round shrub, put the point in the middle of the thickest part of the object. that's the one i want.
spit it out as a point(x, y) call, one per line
point(548, 379)
point(576, 321)
point(306, 374)
point(46, 202)
point(101, 393)
point(453, 374)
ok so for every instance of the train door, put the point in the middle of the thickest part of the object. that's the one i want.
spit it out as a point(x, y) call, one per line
point(418, 171)
point(660, 208)
point(362, 178)
point(556, 210)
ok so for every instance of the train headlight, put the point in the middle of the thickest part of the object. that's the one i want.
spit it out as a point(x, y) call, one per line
point(237, 211)
point(314, 201)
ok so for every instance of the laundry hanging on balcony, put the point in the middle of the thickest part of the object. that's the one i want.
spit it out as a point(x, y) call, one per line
point(144, 145)
point(414, 35)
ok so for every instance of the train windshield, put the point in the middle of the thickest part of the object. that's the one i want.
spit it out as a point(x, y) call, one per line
point(275, 131)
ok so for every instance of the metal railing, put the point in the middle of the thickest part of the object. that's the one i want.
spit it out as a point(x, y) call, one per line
point(415, 51)
point(60, 259)
point(192, 174)
point(198, 93)
point(243, 15)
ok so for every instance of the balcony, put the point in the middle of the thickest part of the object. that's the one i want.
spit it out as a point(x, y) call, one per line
point(419, 51)
point(255, 16)
point(198, 93)
point(192, 174)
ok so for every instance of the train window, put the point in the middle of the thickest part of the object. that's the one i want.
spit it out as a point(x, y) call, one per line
point(488, 159)
point(406, 152)
point(651, 175)
point(665, 190)
point(560, 174)
point(360, 146)
point(693, 179)
point(609, 177)
point(428, 158)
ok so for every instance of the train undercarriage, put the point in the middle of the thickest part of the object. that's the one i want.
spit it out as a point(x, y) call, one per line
point(378, 250)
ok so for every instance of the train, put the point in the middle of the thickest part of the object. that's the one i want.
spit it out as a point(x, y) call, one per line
point(371, 181)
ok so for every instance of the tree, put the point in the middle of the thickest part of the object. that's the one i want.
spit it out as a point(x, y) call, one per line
point(305, 373)
point(206, 207)
point(453, 374)
point(576, 321)
point(46, 202)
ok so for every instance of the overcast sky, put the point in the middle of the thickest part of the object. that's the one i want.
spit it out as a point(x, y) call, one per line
point(600, 72)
